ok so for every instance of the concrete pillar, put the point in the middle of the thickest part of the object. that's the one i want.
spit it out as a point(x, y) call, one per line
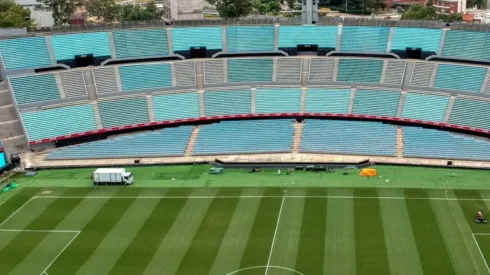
point(151, 114)
point(49, 46)
point(223, 38)
point(169, 41)
point(339, 37)
point(433, 75)
point(302, 101)
point(399, 111)
point(485, 82)
point(112, 45)
point(98, 120)
point(173, 73)
point(335, 69)
point(225, 70)
point(390, 39)
point(199, 67)
point(353, 92)
point(118, 79)
point(383, 71)
point(305, 71)
point(253, 96)
point(449, 108)
point(276, 37)
point(88, 76)
point(274, 69)
point(200, 94)
point(408, 74)
point(59, 85)
point(441, 42)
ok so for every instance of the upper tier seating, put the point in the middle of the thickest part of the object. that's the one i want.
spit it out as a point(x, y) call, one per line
point(430, 143)
point(166, 142)
point(277, 100)
point(60, 121)
point(34, 88)
point(425, 107)
point(249, 39)
point(467, 44)
point(149, 76)
point(66, 46)
point(24, 53)
point(364, 39)
point(247, 136)
point(139, 43)
point(334, 101)
point(227, 102)
point(184, 38)
point(124, 111)
point(105, 80)
point(175, 106)
point(427, 39)
point(470, 112)
point(348, 137)
point(249, 70)
point(323, 36)
point(457, 77)
point(372, 102)
point(360, 70)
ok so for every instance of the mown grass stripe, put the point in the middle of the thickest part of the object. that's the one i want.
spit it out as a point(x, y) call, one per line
point(92, 234)
point(400, 243)
point(470, 208)
point(371, 254)
point(428, 238)
point(311, 252)
point(204, 248)
point(260, 239)
point(12, 204)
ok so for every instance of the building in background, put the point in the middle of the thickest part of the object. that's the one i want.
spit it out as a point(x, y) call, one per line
point(187, 9)
point(43, 19)
point(450, 6)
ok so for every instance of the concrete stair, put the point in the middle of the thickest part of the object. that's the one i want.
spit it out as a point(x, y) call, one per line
point(298, 130)
point(399, 141)
point(192, 141)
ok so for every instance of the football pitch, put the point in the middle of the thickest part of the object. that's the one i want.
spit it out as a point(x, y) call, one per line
point(261, 224)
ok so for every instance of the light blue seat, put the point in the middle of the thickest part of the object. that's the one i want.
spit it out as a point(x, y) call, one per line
point(244, 136)
point(277, 100)
point(140, 77)
point(124, 111)
point(323, 36)
point(185, 38)
point(427, 39)
point(139, 43)
point(249, 39)
point(425, 107)
point(467, 44)
point(334, 101)
point(360, 70)
point(364, 39)
point(249, 70)
point(457, 77)
point(380, 103)
point(227, 102)
point(34, 88)
point(166, 142)
point(431, 143)
point(57, 122)
point(24, 53)
point(66, 46)
point(348, 137)
point(473, 113)
point(175, 106)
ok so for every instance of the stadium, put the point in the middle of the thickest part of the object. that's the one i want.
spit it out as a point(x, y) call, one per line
point(290, 115)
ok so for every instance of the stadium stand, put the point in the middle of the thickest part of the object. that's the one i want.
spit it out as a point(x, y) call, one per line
point(24, 53)
point(214, 71)
point(457, 77)
point(149, 76)
point(73, 83)
point(59, 121)
point(185, 38)
point(360, 70)
point(426, 107)
point(227, 102)
point(326, 100)
point(431, 143)
point(321, 69)
point(277, 100)
point(166, 142)
point(289, 69)
point(364, 39)
point(394, 72)
point(250, 70)
point(427, 39)
point(348, 137)
point(323, 36)
point(34, 88)
point(140, 43)
point(66, 46)
point(175, 106)
point(467, 44)
point(373, 102)
point(421, 74)
point(248, 136)
point(470, 112)
point(105, 80)
point(185, 73)
point(249, 39)
point(123, 111)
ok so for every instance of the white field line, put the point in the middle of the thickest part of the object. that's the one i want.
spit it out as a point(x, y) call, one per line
point(263, 266)
point(59, 254)
point(39, 231)
point(18, 209)
point(274, 238)
point(477, 245)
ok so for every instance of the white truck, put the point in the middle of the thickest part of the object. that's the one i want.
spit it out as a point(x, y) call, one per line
point(112, 176)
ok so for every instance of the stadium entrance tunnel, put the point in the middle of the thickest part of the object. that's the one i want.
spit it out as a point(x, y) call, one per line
point(273, 269)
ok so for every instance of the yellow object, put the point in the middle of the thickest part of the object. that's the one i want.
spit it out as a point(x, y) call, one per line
point(368, 172)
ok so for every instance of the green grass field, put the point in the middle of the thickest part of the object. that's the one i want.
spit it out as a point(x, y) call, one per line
point(180, 220)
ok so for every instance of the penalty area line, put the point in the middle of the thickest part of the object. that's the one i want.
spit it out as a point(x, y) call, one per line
point(45, 271)
point(479, 249)
point(274, 238)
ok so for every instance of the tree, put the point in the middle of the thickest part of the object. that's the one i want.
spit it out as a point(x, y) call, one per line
point(107, 10)
point(137, 13)
point(13, 15)
point(291, 3)
point(429, 13)
point(61, 9)
point(232, 8)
